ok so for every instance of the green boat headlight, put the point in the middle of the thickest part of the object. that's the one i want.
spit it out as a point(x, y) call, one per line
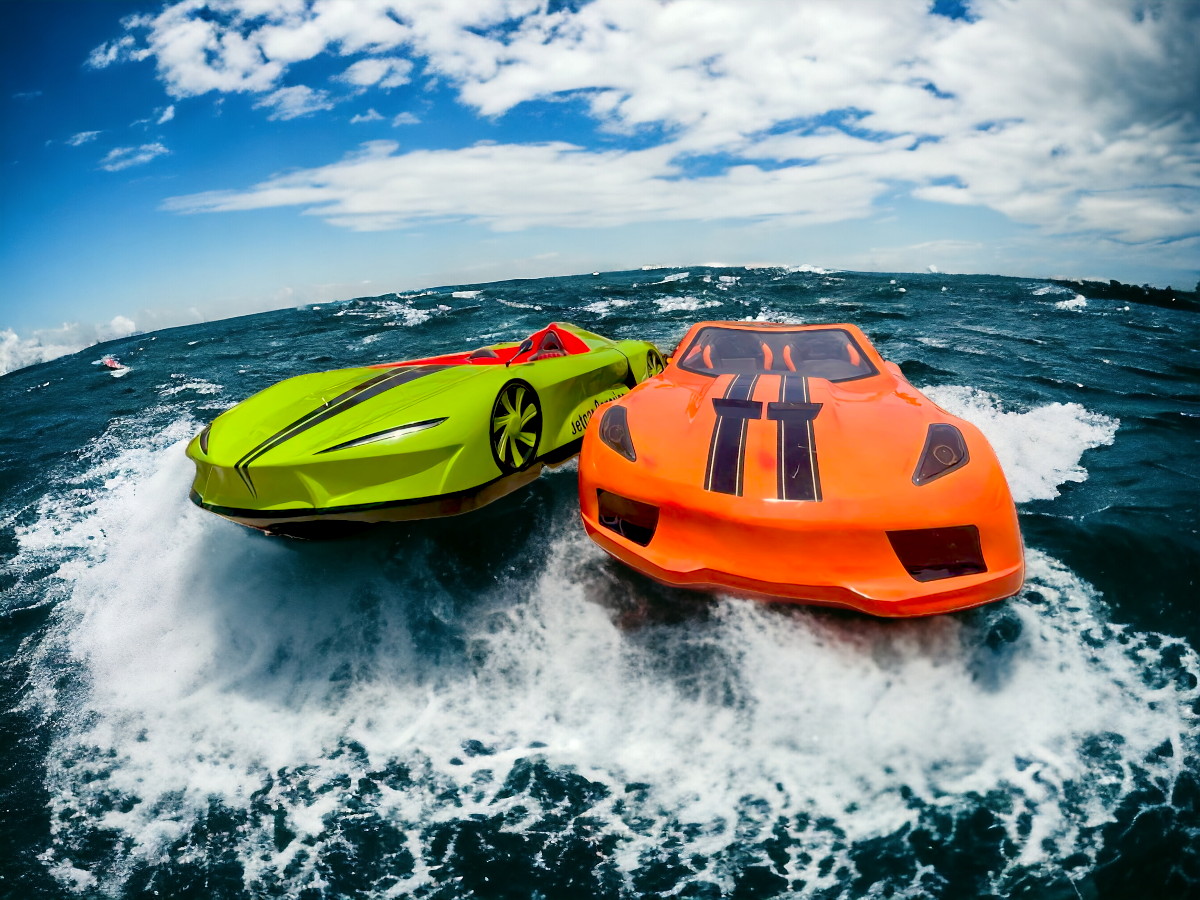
point(204, 438)
point(614, 431)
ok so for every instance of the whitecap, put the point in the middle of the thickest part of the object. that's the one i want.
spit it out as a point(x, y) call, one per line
point(767, 314)
point(684, 304)
point(195, 385)
point(603, 307)
point(1076, 303)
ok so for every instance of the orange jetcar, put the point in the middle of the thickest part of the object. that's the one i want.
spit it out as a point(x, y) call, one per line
point(793, 462)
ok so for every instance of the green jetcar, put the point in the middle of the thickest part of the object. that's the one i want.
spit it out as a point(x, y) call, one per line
point(411, 440)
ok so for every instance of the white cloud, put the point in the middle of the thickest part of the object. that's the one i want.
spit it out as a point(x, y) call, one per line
point(82, 138)
point(1073, 116)
point(123, 157)
point(386, 72)
point(405, 118)
point(124, 48)
point(518, 186)
point(167, 115)
point(293, 102)
point(369, 116)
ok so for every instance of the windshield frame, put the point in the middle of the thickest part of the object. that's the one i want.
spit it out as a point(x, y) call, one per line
point(866, 360)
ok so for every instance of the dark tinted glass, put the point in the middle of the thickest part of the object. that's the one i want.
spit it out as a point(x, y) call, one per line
point(628, 518)
point(829, 353)
point(945, 450)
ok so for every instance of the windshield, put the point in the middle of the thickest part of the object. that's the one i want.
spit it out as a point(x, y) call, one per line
point(829, 353)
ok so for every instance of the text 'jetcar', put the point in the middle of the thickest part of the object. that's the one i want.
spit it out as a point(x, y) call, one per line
point(793, 462)
point(409, 440)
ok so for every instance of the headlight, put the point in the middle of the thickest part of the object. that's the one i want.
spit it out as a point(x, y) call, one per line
point(945, 450)
point(204, 439)
point(614, 431)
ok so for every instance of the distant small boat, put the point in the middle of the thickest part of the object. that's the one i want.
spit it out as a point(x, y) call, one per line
point(111, 362)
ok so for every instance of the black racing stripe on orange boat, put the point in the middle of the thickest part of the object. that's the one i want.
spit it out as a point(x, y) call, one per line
point(344, 401)
point(727, 447)
point(796, 469)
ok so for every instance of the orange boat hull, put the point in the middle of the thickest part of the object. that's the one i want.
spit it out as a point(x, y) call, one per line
point(839, 550)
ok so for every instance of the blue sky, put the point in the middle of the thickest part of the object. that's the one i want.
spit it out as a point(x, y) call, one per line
point(168, 162)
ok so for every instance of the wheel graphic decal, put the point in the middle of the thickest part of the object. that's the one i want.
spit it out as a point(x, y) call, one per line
point(654, 363)
point(516, 427)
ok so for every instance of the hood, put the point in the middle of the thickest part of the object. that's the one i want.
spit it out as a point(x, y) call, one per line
point(306, 414)
point(781, 438)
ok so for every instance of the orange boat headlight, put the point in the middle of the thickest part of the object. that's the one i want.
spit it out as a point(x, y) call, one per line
point(945, 451)
point(628, 518)
point(614, 431)
point(930, 554)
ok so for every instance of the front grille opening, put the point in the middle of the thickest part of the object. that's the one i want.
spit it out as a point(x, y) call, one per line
point(930, 554)
point(628, 518)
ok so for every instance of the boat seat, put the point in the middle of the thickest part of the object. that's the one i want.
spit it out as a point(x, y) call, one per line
point(550, 347)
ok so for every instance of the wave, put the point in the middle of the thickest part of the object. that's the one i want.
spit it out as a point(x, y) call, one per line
point(400, 700)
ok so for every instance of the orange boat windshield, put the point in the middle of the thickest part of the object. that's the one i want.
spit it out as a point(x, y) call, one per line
point(829, 353)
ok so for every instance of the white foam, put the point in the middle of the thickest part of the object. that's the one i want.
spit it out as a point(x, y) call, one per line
point(195, 385)
point(684, 304)
point(675, 276)
point(1076, 303)
point(1051, 289)
point(767, 314)
point(214, 658)
point(603, 307)
point(466, 295)
point(1039, 448)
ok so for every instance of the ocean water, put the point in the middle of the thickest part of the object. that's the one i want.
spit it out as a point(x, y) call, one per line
point(488, 706)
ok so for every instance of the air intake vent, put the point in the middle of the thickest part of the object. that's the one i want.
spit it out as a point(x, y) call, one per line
point(628, 518)
point(930, 554)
